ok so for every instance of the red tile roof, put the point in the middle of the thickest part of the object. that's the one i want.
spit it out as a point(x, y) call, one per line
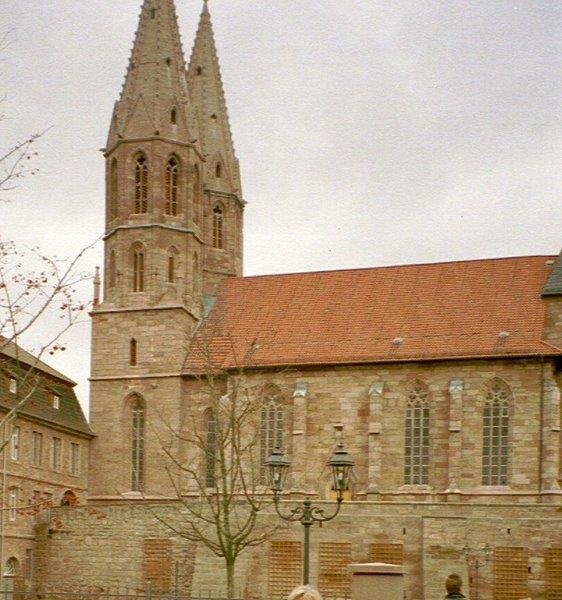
point(442, 310)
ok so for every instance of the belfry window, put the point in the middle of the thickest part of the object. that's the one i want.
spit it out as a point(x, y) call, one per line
point(138, 269)
point(113, 190)
point(495, 433)
point(416, 446)
point(137, 445)
point(218, 223)
point(210, 449)
point(141, 184)
point(172, 176)
point(218, 170)
point(271, 430)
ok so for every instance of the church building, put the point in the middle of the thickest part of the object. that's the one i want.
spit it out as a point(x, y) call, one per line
point(445, 378)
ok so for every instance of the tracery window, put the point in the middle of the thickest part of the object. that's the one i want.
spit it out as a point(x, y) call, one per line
point(138, 269)
point(172, 179)
point(210, 448)
point(137, 445)
point(271, 430)
point(141, 184)
point(218, 233)
point(113, 190)
point(495, 433)
point(416, 446)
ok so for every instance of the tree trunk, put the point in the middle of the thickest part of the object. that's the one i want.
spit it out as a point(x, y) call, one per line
point(229, 579)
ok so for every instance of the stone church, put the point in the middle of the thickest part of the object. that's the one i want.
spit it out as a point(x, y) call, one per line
point(445, 377)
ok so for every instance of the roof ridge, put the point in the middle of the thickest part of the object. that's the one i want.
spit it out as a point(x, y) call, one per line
point(421, 264)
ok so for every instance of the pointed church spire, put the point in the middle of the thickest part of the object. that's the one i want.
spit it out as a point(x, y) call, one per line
point(154, 99)
point(208, 100)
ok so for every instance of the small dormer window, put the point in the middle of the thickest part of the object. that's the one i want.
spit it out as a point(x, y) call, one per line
point(55, 400)
point(13, 385)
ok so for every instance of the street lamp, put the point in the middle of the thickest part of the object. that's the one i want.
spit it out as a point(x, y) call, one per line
point(278, 466)
point(472, 560)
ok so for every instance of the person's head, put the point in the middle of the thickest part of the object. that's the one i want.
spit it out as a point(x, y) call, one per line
point(305, 592)
point(453, 583)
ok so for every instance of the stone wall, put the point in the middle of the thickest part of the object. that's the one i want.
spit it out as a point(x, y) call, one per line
point(129, 545)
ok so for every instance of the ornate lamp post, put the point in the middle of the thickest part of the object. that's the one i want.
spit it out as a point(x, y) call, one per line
point(278, 465)
point(471, 556)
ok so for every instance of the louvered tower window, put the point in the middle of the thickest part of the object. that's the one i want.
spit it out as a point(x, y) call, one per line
point(137, 445)
point(172, 179)
point(416, 447)
point(138, 269)
point(141, 184)
point(495, 433)
point(271, 435)
point(218, 233)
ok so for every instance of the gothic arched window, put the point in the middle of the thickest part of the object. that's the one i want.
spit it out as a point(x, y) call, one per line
point(172, 182)
point(112, 270)
point(218, 232)
point(138, 268)
point(218, 170)
point(113, 190)
point(137, 444)
point(271, 426)
point(141, 184)
point(210, 448)
point(195, 192)
point(416, 443)
point(495, 433)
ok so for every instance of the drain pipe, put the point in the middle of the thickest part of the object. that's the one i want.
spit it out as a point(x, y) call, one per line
point(541, 426)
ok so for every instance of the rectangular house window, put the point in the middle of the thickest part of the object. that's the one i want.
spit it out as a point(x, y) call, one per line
point(37, 449)
point(57, 454)
point(13, 385)
point(13, 503)
point(15, 444)
point(74, 458)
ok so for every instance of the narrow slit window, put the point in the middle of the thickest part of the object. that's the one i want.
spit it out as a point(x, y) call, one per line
point(112, 270)
point(141, 184)
point(172, 180)
point(218, 224)
point(133, 352)
point(171, 269)
point(218, 170)
point(113, 190)
point(137, 446)
point(416, 431)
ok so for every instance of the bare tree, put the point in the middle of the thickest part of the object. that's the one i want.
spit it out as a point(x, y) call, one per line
point(214, 466)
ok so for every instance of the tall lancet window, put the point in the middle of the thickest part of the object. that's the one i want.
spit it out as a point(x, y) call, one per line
point(172, 177)
point(218, 226)
point(416, 446)
point(138, 268)
point(137, 444)
point(210, 448)
point(141, 184)
point(113, 190)
point(495, 438)
point(271, 434)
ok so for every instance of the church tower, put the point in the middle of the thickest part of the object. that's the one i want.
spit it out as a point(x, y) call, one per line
point(172, 232)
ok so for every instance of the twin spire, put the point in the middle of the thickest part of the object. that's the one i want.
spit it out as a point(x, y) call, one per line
point(161, 98)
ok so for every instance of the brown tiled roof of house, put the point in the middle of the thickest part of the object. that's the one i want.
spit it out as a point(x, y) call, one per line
point(472, 308)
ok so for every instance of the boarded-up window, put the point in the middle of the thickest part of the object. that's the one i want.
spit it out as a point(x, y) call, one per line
point(157, 563)
point(392, 554)
point(553, 573)
point(333, 577)
point(285, 568)
point(510, 573)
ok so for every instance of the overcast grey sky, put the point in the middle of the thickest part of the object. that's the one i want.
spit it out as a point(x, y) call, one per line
point(369, 133)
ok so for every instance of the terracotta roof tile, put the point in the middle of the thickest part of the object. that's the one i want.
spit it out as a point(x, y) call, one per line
point(442, 310)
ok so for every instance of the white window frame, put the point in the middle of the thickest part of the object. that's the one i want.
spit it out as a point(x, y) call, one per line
point(55, 401)
point(13, 503)
point(13, 385)
point(15, 443)
point(74, 466)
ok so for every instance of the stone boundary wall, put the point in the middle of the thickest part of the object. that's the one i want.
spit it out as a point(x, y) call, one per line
point(111, 552)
